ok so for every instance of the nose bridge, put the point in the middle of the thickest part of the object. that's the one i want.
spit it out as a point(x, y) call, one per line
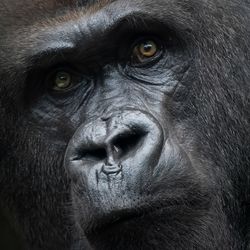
point(121, 133)
point(102, 132)
point(93, 134)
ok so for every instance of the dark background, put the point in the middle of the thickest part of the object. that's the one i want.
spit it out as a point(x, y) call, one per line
point(8, 237)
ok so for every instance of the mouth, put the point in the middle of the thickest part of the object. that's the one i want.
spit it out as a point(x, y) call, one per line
point(122, 228)
point(123, 220)
point(113, 220)
point(149, 211)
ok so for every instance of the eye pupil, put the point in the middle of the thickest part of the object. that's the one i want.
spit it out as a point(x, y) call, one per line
point(147, 48)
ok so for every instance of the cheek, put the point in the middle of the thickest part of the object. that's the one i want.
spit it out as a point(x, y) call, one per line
point(175, 166)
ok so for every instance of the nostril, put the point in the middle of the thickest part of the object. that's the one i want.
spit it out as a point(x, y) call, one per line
point(127, 142)
point(95, 154)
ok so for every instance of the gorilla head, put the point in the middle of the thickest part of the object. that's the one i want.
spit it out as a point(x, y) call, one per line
point(125, 124)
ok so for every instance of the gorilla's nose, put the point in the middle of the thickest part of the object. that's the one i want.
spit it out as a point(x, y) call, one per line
point(124, 138)
point(121, 141)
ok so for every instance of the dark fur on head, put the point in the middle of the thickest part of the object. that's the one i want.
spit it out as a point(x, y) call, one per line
point(214, 112)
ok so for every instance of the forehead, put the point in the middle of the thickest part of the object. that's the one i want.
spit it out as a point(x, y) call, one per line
point(50, 3)
point(26, 12)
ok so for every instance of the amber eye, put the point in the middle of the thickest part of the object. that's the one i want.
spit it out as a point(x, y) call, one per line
point(144, 51)
point(62, 80)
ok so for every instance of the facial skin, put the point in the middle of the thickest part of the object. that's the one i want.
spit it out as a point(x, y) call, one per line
point(125, 124)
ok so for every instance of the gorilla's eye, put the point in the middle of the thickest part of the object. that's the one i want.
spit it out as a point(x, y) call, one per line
point(62, 80)
point(145, 51)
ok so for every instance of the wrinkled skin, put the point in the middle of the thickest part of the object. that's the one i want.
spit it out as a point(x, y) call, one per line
point(138, 155)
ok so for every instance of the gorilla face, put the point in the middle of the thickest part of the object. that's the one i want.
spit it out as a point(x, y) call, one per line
point(125, 124)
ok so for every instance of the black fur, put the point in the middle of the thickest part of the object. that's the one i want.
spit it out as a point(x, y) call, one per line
point(207, 116)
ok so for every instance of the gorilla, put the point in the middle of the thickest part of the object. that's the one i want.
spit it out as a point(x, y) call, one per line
point(125, 124)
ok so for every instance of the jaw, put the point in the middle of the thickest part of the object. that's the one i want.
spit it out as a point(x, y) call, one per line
point(159, 209)
point(172, 210)
point(154, 221)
